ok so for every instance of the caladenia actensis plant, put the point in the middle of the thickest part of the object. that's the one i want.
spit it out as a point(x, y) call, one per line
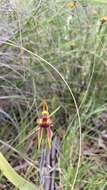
point(49, 171)
point(44, 127)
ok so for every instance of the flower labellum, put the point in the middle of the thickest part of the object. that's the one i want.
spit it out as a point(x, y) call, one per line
point(44, 123)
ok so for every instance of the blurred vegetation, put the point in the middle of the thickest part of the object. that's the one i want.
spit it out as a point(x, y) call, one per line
point(48, 48)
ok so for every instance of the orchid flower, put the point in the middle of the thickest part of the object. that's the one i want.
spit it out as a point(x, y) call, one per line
point(44, 123)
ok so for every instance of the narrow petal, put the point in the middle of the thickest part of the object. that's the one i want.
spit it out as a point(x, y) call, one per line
point(49, 136)
point(40, 135)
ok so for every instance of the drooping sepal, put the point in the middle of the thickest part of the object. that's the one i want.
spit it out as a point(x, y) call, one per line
point(40, 136)
point(49, 136)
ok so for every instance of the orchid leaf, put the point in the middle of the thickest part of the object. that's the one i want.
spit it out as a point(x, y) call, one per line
point(13, 176)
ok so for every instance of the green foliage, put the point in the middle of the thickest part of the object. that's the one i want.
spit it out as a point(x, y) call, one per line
point(49, 51)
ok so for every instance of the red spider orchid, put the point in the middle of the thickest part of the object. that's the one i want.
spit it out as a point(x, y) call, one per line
point(44, 123)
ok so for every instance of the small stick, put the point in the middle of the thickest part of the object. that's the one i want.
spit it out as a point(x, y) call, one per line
point(48, 166)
